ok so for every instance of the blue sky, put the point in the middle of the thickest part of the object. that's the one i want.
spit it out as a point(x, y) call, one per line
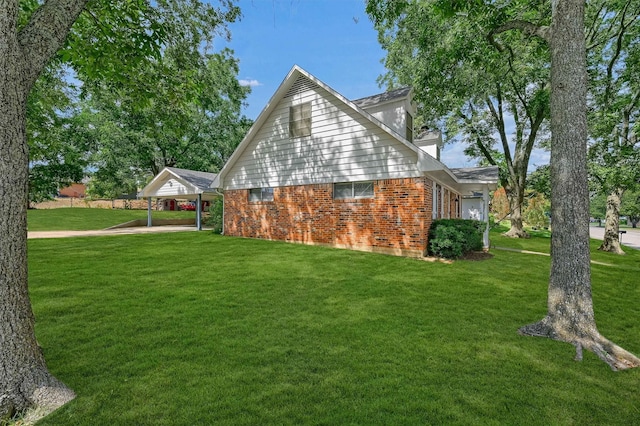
point(332, 39)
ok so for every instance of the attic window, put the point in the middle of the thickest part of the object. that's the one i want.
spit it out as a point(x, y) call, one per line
point(300, 120)
point(409, 129)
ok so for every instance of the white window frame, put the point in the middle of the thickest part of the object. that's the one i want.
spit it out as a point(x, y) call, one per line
point(355, 194)
point(260, 194)
point(300, 120)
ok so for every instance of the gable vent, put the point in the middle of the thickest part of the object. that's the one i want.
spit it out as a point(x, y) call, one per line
point(301, 85)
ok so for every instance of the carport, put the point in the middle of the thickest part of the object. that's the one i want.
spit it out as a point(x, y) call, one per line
point(180, 184)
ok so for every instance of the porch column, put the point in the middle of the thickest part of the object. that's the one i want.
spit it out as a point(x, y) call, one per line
point(485, 200)
point(199, 213)
point(149, 220)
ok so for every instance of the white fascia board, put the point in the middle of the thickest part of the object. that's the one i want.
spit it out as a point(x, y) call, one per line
point(151, 189)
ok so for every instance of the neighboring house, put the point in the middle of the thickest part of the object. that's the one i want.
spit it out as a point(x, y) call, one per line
point(75, 190)
point(317, 168)
point(173, 183)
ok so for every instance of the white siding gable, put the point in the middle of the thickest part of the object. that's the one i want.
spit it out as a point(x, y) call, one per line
point(393, 114)
point(172, 187)
point(344, 146)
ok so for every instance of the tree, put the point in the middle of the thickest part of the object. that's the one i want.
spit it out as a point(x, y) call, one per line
point(190, 119)
point(536, 212)
point(500, 205)
point(631, 208)
point(113, 33)
point(570, 316)
point(598, 207)
point(56, 157)
point(472, 81)
point(614, 106)
point(539, 181)
point(24, 53)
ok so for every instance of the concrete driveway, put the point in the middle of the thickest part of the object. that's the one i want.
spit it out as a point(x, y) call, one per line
point(117, 231)
point(630, 239)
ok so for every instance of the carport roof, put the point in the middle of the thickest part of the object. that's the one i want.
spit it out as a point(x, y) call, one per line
point(193, 183)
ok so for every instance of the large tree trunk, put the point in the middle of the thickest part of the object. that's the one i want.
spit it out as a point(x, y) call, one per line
point(570, 316)
point(25, 381)
point(611, 240)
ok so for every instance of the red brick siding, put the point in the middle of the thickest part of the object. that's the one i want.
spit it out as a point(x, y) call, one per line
point(396, 220)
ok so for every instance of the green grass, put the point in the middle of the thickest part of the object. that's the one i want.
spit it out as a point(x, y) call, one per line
point(83, 219)
point(198, 329)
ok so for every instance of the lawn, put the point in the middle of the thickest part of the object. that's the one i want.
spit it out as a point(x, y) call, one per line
point(83, 219)
point(199, 329)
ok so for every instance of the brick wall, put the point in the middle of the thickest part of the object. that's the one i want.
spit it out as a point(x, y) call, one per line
point(395, 221)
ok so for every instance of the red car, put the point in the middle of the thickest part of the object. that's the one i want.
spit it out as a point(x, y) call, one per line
point(188, 206)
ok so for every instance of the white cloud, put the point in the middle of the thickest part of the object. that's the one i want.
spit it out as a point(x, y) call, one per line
point(249, 82)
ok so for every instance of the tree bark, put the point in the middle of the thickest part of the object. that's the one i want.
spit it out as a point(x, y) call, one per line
point(25, 381)
point(570, 317)
point(611, 240)
point(516, 199)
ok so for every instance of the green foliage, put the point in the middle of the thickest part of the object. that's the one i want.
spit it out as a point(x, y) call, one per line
point(294, 334)
point(153, 94)
point(631, 207)
point(537, 210)
point(614, 101)
point(452, 238)
point(57, 156)
point(184, 112)
point(468, 79)
point(540, 181)
point(216, 215)
point(598, 206)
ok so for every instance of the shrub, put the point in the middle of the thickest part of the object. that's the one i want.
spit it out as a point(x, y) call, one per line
point(452, 238)
point(216, 215)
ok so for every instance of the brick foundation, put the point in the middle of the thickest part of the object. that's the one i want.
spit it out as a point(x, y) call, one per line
point(395, 221)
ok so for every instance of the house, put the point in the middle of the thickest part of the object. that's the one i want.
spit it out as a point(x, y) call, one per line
point(173, 183)
point(75, 190)
point(317, 168)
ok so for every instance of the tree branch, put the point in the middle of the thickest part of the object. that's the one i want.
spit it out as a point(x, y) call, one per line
point(45, 33)
point(544, 32)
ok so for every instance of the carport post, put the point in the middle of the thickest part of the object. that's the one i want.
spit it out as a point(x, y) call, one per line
point(485, 200)
point(199, 212)
point(149, 220)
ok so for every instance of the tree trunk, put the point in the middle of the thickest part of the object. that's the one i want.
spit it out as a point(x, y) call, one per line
point(25, 381)
point(611, 240)
point(570, 316)
point(516, 199)
point(24, 378)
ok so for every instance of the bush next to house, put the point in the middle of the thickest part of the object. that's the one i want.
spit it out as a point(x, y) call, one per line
point(452, 238)
point(216, 215)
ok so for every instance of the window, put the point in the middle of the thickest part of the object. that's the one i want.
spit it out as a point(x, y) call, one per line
point(261, 194)
point(300, 120)
point(343, 191)
point(409, 128)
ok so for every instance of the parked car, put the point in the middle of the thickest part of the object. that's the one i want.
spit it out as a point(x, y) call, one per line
point(190, 206)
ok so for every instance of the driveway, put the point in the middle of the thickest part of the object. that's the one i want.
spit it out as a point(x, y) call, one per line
point(117, 231)
point(630, 239)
